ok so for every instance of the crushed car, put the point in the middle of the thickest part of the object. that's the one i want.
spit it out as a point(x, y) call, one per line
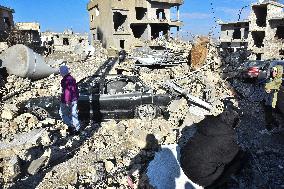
point(118, 97)
point(112, 97)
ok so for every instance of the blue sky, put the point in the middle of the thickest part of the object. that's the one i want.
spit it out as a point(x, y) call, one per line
point(198, 15)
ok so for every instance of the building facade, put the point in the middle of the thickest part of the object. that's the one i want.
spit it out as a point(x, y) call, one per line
point(234, 36)
point(128, 23)
point(6, 21)
point(262, 34)
point(67, 41)
point(30, 32)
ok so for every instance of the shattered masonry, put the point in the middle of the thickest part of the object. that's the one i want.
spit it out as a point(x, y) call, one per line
point(37, 151)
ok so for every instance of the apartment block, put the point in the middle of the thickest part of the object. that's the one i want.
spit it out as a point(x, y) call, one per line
point(6, 21)
point(129, 23)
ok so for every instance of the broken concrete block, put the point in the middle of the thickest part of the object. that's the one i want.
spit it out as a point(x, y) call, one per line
point(11, 168)
point(26, 121)
point(21, 142)
point(38, 163)
point(9, 111)
point(109, 166)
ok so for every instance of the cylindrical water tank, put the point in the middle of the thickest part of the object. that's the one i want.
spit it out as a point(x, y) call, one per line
point(24, 62)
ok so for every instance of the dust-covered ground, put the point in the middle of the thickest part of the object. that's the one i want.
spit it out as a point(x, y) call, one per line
point(108, 154)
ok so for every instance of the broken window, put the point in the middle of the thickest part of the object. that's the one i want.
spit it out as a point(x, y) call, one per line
point(280, 32)
point(99, 34)
point(161, 14)
point(140, 12)
point(138, 30)
point(237, 34)
point(7, 22)
point(261, 14)
point(118, 21)
point(159, 29)
point(259, 56)
point(258, 37)
point(65, 41)
point(122, 43)
point(246, 33)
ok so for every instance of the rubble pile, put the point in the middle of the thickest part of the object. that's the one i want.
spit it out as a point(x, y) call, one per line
point(20, 90)
point(116, 153)
point(169, 53)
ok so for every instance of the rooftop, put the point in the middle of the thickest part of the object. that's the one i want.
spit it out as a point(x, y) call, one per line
point(7, 9)
point(267, 3)
point(237, 22)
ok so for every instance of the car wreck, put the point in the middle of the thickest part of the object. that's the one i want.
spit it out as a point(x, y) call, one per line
point(117, 97)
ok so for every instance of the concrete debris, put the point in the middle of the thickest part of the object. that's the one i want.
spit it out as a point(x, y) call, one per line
point(37, 151)
point(38, 163)
point(11, 168)
point(105, 154)
point(9, 111)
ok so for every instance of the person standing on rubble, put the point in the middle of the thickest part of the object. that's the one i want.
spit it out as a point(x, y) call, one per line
point(69, 98)
point(272, 87)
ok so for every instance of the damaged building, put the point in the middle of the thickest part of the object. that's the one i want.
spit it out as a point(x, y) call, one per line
point(6, 25)
point(130, 23)
point(261, 34)
point(234, 36)
point(66, 41)
point(6, 21)
point(30, 32)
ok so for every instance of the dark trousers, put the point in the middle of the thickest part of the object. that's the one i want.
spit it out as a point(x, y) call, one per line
point(269, 118)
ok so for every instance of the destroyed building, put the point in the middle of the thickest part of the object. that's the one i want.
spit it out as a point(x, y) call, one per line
point(66, 41)
point(6, 21)
point(30, 32)
point(125, 24)
point(261, 34)
point(234, 36)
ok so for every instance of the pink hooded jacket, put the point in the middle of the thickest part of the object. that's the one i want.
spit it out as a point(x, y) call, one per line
point(70, 92)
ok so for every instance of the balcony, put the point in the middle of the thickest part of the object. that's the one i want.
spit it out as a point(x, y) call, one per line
point(158, 21)
point(176, 2)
